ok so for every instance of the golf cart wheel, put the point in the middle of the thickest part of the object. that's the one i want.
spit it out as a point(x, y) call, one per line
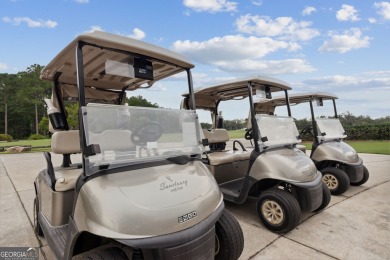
point(366, 175)
point(37, 227)
point(229, 239)
point(278, 210)
point(336, 180)
point(326, 196)
point(114, 253)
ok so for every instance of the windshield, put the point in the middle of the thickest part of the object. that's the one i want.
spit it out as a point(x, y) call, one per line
point(139, 134)
point(277, 130)
point(329, 128)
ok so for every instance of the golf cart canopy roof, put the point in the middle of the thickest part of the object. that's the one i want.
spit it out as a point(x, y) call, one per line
point(104, 51)
point(268, 105)
point(208, 97)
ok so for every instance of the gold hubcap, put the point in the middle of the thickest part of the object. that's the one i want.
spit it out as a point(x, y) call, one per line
point(272, 212)
point(330, 181)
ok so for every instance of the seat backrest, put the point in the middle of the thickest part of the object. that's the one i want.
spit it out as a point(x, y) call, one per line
point(66, 142)
point(114, 140)
point(217, 138)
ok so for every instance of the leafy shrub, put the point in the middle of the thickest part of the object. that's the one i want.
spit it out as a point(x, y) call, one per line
point(4, 137)
point(362, 132)
point(368, 132)
point(36, 137)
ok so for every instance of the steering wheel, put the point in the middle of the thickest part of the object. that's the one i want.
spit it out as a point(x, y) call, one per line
point(307, 130)
point(249, 134)
point(149, 132)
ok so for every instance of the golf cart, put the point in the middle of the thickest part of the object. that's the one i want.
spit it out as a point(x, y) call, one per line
point(339, 163)
point(141, 189)
point(282, 177)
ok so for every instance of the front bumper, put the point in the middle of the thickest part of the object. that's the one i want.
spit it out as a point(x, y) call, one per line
point(355, 171)
point(197, 242)
point(309, 194)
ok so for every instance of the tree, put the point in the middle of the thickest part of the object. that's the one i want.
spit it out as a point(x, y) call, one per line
point(44, 126)
point(139, 101)
point(34, 90)
point(7, 83)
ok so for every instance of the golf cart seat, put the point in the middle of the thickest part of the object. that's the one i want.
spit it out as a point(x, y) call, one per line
point(63, 178)
point(113, 140)
point(218, 138)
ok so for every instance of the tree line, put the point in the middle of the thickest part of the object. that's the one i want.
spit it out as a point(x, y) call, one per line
point(22, 107)
point(23, 111)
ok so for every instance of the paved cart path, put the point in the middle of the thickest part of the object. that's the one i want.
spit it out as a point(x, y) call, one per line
point(355, 225)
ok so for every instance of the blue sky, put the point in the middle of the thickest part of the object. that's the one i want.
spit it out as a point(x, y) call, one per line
point(333, 46)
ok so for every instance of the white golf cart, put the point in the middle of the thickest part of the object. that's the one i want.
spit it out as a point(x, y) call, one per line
point(283, 178)
point(339, 163)
point(141, 190)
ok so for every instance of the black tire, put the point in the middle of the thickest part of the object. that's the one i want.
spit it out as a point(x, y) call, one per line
point(326, 196)
point(229, 239)
point(279, 204)
point(366, 175)
point(112, 253)
point(37, 227)
point(336, 180)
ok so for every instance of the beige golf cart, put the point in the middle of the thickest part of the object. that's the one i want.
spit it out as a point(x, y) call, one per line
point(339, 163)
point(141, 190)
point(282, 177)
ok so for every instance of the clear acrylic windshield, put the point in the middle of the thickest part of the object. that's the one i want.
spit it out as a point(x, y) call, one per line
point(139, 134)
point(277, 130)
point(330, 128)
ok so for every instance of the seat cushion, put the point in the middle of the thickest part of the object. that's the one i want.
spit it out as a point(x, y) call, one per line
point(66, 142)
point(113, 140)
point(218, 158)
point(216, 135)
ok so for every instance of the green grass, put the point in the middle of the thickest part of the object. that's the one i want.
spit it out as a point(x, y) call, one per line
point(42, 142)
point(34, 145)
point(375, 147)
point(234, 134)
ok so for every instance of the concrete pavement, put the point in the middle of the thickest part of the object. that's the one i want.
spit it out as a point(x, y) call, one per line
point(355, 225)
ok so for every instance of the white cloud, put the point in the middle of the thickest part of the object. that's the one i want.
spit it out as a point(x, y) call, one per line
point(349, 40)
point(137, 34)
point(384, 9)
point(267, 67)
point(282, 27)
point(366, 80)
point(3, 66)
point(362, 94)
point(94, 28)
point(347, 13)
point(227, 54)
point(257, 3)
point(30, 23)
point(211, 6)
point(230, 47)
point(157, 87)
point(82, 1)
point(309, 10)
point(371, 20)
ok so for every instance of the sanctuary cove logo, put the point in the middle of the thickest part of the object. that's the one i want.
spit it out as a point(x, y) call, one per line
point(173, 185)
